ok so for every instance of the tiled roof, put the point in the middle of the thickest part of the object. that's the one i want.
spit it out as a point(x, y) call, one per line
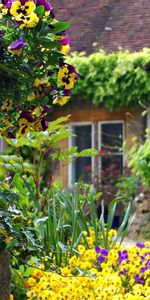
point(109, 23)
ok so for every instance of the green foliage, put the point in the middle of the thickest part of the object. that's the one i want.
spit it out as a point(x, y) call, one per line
point(139, 161)
point(17, 234)
point(117, 80)
point(70, 214)
point(126, 186)
point(100, 226)
point(39, 164)
point(32, 61)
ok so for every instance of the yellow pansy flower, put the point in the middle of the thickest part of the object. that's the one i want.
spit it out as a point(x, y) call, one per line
point(61, 100)
point(6, 105)
point(66, 78)
point(28, 21)
point(65, 49)
point(22, 10)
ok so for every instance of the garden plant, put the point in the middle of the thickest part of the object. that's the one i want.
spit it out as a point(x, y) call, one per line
point(53, 245)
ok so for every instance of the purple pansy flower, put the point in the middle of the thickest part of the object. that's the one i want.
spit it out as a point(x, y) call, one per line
point(50, 73)
point(17, 46)
point(104, 252)
point(47, 5)
point(45, 109)
point(123, 255)
point(11, 135)
point(7, 3)
point(66, 93)
point(140, 245)
point(142, 270)
point(44, 124)
point(139, 279)
point(142, 258)
point(27, 116)
point(65, 38)
point(98, 249)
point(101, 259)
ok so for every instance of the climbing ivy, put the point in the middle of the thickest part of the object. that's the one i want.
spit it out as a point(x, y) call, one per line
point(117, 80)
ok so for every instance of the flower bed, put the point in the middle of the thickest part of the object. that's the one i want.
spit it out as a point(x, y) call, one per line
point(97, 273)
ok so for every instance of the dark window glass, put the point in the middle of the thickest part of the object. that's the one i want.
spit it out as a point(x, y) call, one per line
point(112, 136)
point(81, 167)
point(83, 137)
point(111, 155)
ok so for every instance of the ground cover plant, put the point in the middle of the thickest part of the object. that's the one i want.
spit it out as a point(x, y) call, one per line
point(96, 273)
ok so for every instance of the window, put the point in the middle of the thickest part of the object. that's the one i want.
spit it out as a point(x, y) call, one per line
point(83, 140)
point(108, 138)
point(111, 154)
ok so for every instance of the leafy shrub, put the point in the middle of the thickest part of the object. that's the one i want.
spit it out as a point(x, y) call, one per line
point(116, 80)
point(139, 161)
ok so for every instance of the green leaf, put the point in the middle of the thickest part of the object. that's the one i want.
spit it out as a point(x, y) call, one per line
point(88, 152)
point(40, 11)
point(48, 43)
point(17, 278)
point(59, 27)
point(12, 244)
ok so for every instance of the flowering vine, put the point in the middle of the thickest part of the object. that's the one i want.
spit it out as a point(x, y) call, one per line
point(34, 74)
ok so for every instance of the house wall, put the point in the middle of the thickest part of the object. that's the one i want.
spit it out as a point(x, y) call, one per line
point(134, 127)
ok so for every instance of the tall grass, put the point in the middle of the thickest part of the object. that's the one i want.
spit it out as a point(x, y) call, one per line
point(69, 214)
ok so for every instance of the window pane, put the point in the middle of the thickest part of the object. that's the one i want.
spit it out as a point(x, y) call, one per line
point(111, 168)
point(83, 137)
point(111, 136)
point(81, 167)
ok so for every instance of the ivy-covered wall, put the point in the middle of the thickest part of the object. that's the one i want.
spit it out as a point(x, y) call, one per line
point(117, 80)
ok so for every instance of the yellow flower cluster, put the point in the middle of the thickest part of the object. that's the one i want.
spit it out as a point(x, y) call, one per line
point(123, 275)
point(24, 13)
point(90, 237)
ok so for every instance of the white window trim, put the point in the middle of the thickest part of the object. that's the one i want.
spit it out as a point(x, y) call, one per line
point(93, 141)
point(1, 146)
point(99, 136)
point(148, 120)
point(70, 145)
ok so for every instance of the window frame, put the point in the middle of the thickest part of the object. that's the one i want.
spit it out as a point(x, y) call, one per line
point(96, 135)
point(70, 144)
point(1, 145)
point(148, 120)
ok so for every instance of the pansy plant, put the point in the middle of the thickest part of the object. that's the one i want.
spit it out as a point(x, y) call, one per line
point(34, 74)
